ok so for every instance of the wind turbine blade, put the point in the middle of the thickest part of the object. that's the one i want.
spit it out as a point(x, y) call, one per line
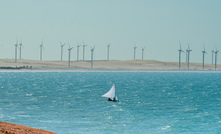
point(92, 48)
point(180, 45)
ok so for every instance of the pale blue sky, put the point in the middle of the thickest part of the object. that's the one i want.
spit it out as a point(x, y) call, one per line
point(157, 25)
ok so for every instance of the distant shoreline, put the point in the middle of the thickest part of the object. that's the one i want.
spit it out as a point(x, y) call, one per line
point(103, 66)
point(72, 70)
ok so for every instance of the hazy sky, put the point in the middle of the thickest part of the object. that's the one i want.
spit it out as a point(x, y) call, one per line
point(157, 25)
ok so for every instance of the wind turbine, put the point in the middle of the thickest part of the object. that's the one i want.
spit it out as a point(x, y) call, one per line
point(212, 55)
point(92, 54)
point(69, 55)
point(20, 45)
point(83, 49)
point(78, 51)
point(204, 52)
point(188, 56)
point(135, 51)
point(143, 52)
point(41, 47)
point(62, 45)
point(216, 52)
point(108, 50)
point(180, 50)
point(16, 46)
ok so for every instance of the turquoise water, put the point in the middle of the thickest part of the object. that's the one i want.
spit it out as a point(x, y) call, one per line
point(150, 102)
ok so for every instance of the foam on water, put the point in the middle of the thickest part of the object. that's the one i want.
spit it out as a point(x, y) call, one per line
point(152, 102)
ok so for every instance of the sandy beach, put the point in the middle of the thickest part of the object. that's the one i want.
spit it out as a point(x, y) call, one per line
point(103, 65)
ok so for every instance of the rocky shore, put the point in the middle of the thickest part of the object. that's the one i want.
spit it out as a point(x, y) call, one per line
point(9, 128)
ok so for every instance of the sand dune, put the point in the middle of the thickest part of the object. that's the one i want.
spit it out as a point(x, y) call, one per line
point(102, 65)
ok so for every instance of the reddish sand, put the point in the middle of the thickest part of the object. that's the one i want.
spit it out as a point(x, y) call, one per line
point(9, 128)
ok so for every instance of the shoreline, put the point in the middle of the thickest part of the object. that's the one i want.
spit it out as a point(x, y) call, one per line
point(63, 70)
point(11, 128)
point(8, 65)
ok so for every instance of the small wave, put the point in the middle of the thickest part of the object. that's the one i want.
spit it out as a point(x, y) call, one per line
point(114, 105)
point(28, 94)
point(50, 121)
point(33, 99)
point(11, 117)
point(110, 117)
point(26, 116)
point(165, 127)
point(2, 116)
point(120, 110)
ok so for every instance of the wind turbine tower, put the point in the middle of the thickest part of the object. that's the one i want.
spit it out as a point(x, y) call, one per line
point(188, 56)
point(216, 52)
point(16, 46)
point(83, 49)
point(135, 52)
point(62, 45)
point(180, 50)
point(78, 51)
point(212, 55)
point(92, 54)
point(143, 52)
point(20, 45)
point(108, 50)
point(69, 55)
point(41, 47)
point(204, 52)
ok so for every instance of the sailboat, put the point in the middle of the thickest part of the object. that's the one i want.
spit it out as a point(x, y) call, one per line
point(111, 95)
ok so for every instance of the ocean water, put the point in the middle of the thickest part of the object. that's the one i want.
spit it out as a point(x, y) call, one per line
point(150, 102)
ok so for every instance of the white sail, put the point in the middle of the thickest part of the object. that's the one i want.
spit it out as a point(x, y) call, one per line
point(111, 93)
